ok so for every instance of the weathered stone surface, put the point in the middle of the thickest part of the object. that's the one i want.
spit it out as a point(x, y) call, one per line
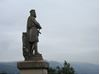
point(27, 50)
point(32, 65)
point(30, 37)
point(34, 71)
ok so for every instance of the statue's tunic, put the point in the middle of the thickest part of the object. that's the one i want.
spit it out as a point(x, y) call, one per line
point(32, 31)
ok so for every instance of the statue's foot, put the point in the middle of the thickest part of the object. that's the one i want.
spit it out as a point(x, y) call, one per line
point(37, 53)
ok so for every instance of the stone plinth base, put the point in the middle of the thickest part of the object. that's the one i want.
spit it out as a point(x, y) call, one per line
point(33, 67)
point(34, 71)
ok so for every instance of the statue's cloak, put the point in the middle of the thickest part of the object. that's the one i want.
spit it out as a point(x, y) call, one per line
point(32, 32)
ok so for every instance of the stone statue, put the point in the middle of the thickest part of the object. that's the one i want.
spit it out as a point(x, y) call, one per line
point(33, 63)
point(33, 28)
point(30, 38)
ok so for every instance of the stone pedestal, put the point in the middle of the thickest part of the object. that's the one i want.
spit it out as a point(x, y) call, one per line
point(33, 67)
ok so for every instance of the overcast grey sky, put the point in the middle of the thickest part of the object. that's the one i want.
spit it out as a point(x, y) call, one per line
point(70, 29)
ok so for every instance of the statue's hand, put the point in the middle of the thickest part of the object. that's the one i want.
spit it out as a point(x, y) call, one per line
point(40, 27)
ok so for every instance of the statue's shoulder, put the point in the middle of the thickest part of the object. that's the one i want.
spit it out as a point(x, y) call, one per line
point(31, 17)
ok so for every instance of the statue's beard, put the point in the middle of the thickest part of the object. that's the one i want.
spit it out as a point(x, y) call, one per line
point(34, 15)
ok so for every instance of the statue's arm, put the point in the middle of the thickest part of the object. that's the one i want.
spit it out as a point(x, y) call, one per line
point(36, 23)
point(29, 25)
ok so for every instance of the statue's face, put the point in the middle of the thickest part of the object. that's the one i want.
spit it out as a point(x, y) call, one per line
point(33, 14)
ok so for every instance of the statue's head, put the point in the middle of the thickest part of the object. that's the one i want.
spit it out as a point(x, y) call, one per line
point(32, 13)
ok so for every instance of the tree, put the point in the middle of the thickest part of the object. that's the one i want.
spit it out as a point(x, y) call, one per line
point(51, 71)
point(66, 69)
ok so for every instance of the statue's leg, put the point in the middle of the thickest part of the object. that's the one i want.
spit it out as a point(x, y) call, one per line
point(31, 49)
point(36, 48)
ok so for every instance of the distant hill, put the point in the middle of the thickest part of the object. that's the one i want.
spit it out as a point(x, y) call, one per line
point(80, 68)
point(9, 68)
point(86, 68)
